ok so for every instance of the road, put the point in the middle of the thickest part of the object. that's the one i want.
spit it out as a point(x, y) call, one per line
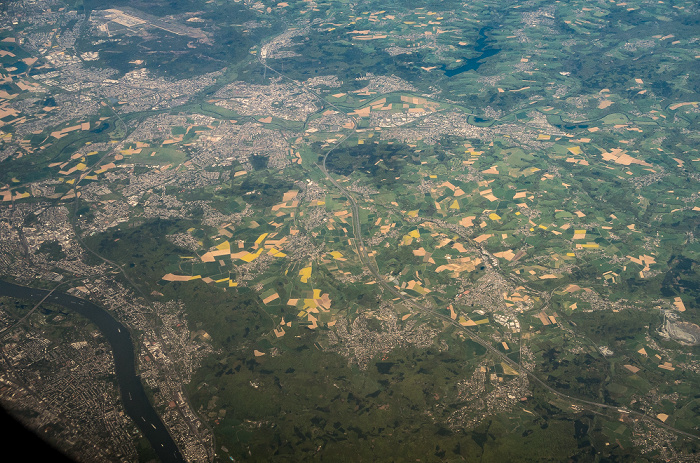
point(28, 314)
point(364, 257)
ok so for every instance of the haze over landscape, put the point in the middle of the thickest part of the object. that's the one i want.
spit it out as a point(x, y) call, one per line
point(239, 230)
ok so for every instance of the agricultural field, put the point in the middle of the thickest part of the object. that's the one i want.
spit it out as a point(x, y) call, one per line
point(360, 231)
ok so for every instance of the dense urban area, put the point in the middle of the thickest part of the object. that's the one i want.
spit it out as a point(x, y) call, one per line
point(351, 231)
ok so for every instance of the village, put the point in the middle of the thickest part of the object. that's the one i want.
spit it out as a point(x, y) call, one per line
point(347, 219)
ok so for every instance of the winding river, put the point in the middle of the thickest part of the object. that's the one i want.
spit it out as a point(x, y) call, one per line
point(136, 403)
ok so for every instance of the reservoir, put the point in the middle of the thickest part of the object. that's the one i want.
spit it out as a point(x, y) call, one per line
point(474, 63)
point(136, 403)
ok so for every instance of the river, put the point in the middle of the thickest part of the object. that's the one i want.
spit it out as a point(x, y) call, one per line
point(136, 403)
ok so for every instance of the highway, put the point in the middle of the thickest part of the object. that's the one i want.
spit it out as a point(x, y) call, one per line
point(364, 257)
